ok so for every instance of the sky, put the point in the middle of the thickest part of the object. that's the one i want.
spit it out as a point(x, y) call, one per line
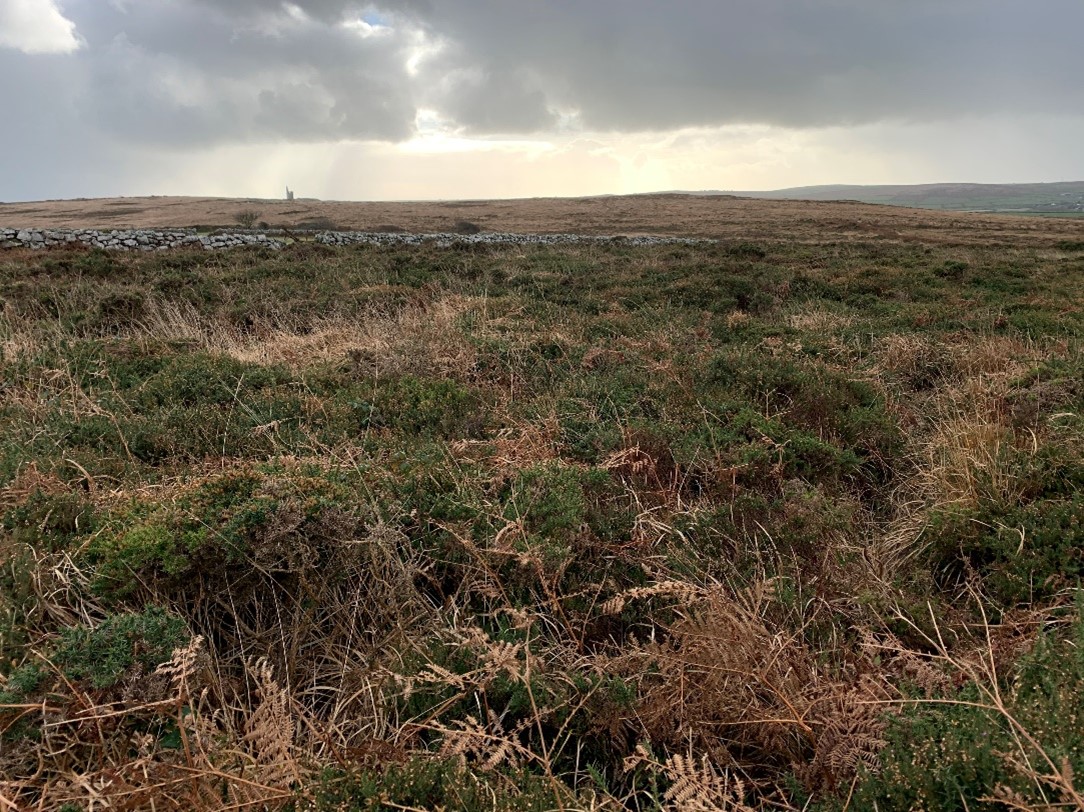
point(454, 99)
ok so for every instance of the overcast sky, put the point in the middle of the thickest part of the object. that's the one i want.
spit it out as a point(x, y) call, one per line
point(419, 99)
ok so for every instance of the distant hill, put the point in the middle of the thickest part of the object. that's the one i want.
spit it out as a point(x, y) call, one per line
point(1065, 199)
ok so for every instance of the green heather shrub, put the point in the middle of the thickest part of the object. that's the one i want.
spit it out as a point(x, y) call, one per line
point(549, 501)
point(19, 600)
point(101, 655)
point(1024, 536)
point(157, 405)
point(95, 262)
point(206, 380)
point(422, 406)
point(739, 445)
point(1023, 553)
point(423, 783)
point(50, 521)
point(811, 395)
point(953, 756)
point(586, 436)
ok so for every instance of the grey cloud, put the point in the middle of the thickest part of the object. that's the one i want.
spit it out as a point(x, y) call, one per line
point(171, 72)
point(484, 102)
point(658, 65)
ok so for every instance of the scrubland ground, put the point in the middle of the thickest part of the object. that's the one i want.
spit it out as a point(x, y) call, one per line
point(768, 525)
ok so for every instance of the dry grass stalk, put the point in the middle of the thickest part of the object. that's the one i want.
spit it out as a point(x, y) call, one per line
point(418, 338)
point(22, 338)
point(513, 448)
point(819, 321)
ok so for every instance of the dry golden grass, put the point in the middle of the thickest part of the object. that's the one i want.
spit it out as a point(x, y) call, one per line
point(819, 320)
point(418, 339)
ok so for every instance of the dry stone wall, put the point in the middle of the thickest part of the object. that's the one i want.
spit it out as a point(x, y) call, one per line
point(492, 238)
point(131, 239)
point(162, 240)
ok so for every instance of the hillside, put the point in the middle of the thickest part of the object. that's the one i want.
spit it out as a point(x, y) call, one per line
point(1063, 199)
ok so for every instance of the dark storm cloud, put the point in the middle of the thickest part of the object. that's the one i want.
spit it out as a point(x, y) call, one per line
point(648, 64)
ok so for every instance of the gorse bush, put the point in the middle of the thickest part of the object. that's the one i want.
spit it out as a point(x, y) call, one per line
point(229, 531)
point(121, 646)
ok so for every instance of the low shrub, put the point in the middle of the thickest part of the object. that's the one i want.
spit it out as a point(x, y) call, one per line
point(1017, 743)
point(121, 647)
point(422, 783)
point(423, 407)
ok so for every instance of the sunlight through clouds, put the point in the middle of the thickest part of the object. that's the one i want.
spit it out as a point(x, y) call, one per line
point(36, 27)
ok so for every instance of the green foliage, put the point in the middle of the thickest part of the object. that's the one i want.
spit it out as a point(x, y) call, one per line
point(952, 756)
point(423, 783)
point(213, 531)
point(102, 656)
point(549, 501)
point(1025, 542)
point(813, 396)
point(50, 521)
point(1024, 553)
point(422, 406)
point(206, 380)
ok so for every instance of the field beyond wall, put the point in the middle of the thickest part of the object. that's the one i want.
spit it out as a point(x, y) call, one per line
point(788, 521)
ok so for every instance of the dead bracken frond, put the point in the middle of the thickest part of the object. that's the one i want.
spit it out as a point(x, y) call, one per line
point(180, 670)
point(696, 785)
point(682, 592)
point(488, 747)
point(270, 731)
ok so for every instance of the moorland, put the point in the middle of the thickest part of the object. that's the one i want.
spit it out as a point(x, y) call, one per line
point(1065, 199)
point(787, 521)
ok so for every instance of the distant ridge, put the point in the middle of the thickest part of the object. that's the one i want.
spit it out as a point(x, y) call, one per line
point(1066, 198)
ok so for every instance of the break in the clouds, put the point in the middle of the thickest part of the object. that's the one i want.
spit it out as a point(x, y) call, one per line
point(101, 88)
point(36, 27)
